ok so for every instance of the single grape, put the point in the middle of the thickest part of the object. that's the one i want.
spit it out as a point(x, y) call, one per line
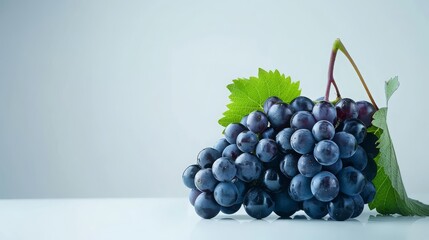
point(289, 165)
point(243, 120)
point(232, 131)
point(341, 208)
point(279, 115)
point(221, 145)
point(324, 110)
point(346, 143)
point(258, 204)
point(359, 160)
point(299, 188)
point(308, 166)
point(206, 206)
point(193, 194)
point(368, 192)
point(366, 111)
point(351, 181)
point(326, 152)
point(269, 133)
point(323, 130)
point(325, 186)
point(359, 205)
point(230, 210)
point(302, 141)
point(249, 167)
point(356, 128)
point(205, 181)
point(334, 168)
point(315, 208)
point(270, 102)
point(266, 150)
point(226, 194)
point(188, 175)
point(273, 181)
point(207, 156)
point(302, 103)
point(370, 171)
point(242, 189)
point(302, 120)
point(246, 141)
point(284, 205)
point(231, 152)
point(283, 139)
point(224, 169)
point(370, 144)
point(257, 122)
point(346, 109)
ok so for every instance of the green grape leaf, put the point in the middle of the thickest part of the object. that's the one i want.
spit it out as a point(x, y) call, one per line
point(248, 95)
point(390, 197)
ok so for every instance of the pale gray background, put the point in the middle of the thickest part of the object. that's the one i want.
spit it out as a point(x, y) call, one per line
point(116, 98)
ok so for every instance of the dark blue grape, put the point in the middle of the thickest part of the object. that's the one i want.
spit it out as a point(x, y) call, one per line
point(289, 165)
point(368, 192)
point(299, 188)
point(279, 115)
point(302, 103)
point(334, 168)
point(366, 111)
point(249, 167)
point(230, 210)
point(188, 175)
point(232, 131)
point(324, 110)
point(325, 186)
point(270, 102)
point(269, 133)
point(359, 205)
point(243, 120)
point(258, 204)
point(224, 169)
point(346, 143)
point(308, 166)
point(351, 181)
point(302, 120)
point(207, 156)
point(273, 181)
point(221, 145)
point(283, 139)
point(226, 194)
point(257, 122)
point(284, 205)
point(341, 208)
point(370, 171)
point(359, 160)
point(231, 152)
point(323, 130)
point(206, 206)
point(266, 150)
point(315, 208)
point(326, 152)
point(193, 194)
point(356, 128)
point(205, 181)
point(302, 141)
point(242, 189)
point(246, 141)
point(346, 109)
point(370, 144)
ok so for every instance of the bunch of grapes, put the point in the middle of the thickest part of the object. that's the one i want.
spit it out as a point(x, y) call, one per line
point(315, 157)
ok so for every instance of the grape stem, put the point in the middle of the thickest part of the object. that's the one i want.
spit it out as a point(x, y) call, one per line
point(338, 45)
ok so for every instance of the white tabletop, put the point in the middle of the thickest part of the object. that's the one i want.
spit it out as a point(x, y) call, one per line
point(174, 218)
